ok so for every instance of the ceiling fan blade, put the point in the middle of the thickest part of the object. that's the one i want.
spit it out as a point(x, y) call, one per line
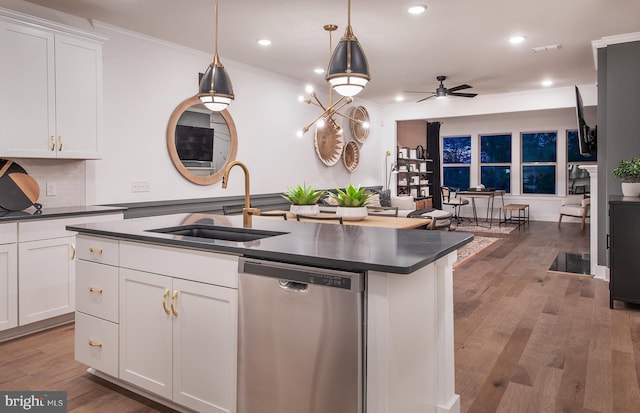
point(428, 97)
point(463, 95)
point(459, 87)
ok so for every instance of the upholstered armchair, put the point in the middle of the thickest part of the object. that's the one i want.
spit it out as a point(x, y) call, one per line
point(575, 206)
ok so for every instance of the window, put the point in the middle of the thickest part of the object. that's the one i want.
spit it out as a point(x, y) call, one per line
point(577, 179)
point(456, 160)
point(539, 155)
point(495, 161)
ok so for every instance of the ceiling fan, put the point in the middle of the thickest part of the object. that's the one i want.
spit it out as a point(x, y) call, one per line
point(442, 91)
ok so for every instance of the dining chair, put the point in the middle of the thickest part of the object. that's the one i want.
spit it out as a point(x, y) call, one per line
point(273, 214)
point(449, 198)
point(383, 211)
point(320, 218)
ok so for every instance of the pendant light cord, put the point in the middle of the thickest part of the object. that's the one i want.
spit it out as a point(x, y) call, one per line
point(216, 31)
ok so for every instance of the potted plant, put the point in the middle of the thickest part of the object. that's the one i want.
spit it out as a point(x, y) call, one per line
point(351, 202)
point(303, 199)
point(629, 172)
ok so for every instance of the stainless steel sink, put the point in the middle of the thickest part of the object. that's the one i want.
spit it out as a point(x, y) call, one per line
point(218, 232)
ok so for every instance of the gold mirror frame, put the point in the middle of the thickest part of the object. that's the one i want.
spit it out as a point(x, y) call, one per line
point(173, 153)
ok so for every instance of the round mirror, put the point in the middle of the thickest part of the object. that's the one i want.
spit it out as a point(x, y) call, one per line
point(201, 143)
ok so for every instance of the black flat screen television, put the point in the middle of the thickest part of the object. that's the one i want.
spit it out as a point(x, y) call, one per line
point(194, 143)
point(587, 137)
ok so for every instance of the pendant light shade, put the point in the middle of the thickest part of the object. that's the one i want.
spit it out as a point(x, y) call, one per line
point(216, 90)
point(348, 71)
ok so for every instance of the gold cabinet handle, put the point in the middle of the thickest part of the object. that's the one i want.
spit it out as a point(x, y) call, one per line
point(164, 301)
point(94, 250)
point(174, 298)
point(95, 290)
point(52, 143)
point(94, 343)
point(59, 143)
point(73, 251)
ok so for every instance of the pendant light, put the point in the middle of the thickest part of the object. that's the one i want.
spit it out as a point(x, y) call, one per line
point(348, 71)
point(216, 90)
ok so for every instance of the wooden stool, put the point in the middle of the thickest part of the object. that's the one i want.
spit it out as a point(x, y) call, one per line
point(521, 219)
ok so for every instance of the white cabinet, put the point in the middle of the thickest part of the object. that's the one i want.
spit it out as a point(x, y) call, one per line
point(51, 101)
point(8, 276)
point(47, 266)
point(47, 279)
point(178, 339)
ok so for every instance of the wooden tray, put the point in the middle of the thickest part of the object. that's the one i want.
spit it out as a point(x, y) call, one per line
point(329, 144)
point(351, 156)
point(359, 133)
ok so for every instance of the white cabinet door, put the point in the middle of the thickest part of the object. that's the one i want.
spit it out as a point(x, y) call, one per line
point(51, 101)
point(78, 97)
point(47, 279)
point(145, 331)
point(204, 346)
point(27, 101)
point(8, 286)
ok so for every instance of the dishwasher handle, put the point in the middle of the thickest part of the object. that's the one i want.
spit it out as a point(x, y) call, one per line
point(298, 275)
point(293, 286)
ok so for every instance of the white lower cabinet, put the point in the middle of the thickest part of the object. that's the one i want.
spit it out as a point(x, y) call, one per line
point(8, 276)
point(178, 339)
point(47, 279)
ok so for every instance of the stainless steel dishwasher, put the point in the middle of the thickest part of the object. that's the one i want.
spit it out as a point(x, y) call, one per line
point(300, 339)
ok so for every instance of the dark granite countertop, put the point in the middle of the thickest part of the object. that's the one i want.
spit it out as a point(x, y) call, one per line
point(60, 212)
point(343, 247)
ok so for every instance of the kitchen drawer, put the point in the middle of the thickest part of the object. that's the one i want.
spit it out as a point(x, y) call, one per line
point(200, 266)
point(101, 250)
point(96, 343)
point(97, 290)
point(8, 233)
point(37, 229)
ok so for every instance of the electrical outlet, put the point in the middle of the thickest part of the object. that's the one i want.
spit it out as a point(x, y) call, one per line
point(52, 189)
point(140, 186)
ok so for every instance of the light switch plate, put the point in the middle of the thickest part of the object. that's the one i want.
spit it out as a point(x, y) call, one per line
point(140, 186)
point(52, 188)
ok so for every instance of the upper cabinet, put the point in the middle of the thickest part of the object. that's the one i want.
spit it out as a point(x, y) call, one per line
point(51, 100)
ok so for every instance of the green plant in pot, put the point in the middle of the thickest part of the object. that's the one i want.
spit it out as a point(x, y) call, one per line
point(629, 172)
point(303, 199)
point(351, 202)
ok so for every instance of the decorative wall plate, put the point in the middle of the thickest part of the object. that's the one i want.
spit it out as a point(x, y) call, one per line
point(359, 133)
point(328, 143)
point(351, 156)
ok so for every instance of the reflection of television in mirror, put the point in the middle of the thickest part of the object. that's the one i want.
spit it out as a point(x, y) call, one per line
point(587, 137)
point(195, 145)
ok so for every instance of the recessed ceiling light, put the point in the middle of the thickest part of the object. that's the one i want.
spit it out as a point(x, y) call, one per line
point(517, 39)
point(319, 70)
point(417, 9)
point(264, 42)
point(547, 82)
point(399, 98)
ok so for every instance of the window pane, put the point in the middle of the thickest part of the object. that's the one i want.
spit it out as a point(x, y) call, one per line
point(539, 179)
point(456, 176)
point(496, 177)
point(456, 149)
point(539, 147)
point(495, 148)
point(573, 150)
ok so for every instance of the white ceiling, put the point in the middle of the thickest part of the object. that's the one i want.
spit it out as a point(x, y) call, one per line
point(466, 40)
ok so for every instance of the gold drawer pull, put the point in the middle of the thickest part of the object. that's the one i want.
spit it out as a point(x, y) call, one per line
point(59, 143)
point(94, 343)
point(174, 297)
point(95, 250)
point(52, 145)
point(164, 301)
point(95, 290)
point(73, 251)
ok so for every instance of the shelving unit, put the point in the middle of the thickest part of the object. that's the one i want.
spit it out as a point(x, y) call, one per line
point(415, 176)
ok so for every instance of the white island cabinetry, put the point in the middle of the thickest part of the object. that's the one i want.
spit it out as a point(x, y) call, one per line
point(8, 276)
point(176, 326)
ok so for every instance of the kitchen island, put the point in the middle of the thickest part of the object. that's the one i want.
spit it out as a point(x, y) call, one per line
point(408, 306)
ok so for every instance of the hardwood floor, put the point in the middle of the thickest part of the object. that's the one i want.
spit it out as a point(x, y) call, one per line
point(527, 340)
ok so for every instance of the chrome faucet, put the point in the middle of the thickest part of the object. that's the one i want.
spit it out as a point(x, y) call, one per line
point(247, 211)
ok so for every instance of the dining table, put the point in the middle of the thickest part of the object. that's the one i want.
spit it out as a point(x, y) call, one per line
point(368, 221)
point(489, 195)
